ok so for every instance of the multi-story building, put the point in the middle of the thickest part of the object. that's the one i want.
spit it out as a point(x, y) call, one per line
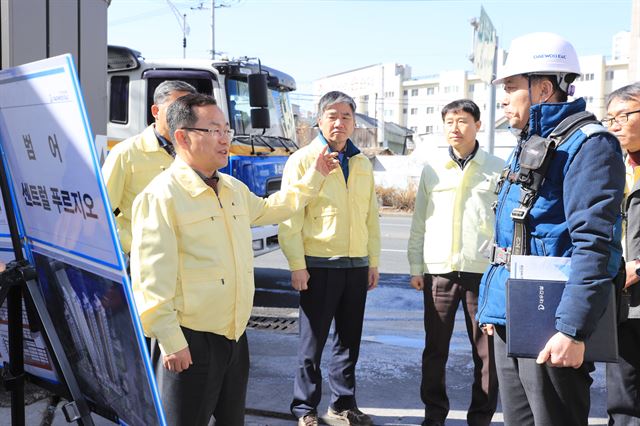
point(388, 90)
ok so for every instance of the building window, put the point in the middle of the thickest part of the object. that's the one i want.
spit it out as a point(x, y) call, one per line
point(414, 111)
point(472, 88)
point(389, 94)
point(428, 129)
point(430, 90)
point(609, 75)
point(404, 110)
point(430, 110)
point(413, 129)
point(414, 92)
point(405, 92)
point(365, 98)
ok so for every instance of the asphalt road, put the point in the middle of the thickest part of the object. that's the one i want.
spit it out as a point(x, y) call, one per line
point(272, 276)
point(393, 316)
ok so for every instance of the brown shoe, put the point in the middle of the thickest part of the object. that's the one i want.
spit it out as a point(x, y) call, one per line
point(352, 416)
point(310, 419)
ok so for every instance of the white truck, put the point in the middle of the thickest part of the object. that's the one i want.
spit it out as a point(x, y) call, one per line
point(254, 98)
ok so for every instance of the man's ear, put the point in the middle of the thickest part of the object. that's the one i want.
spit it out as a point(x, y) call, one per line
point(154, 111)
point(478, 125)
point(181, 139)
point(546, 90)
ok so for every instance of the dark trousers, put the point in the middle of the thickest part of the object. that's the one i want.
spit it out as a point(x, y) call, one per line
point(214, 385)
point(623, 378)
point(338, 294)
point(442, 295)
point(540, 395)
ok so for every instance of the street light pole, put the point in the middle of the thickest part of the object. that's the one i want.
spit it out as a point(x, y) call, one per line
point(213, 29)
point(184, 36)
point(182, 21)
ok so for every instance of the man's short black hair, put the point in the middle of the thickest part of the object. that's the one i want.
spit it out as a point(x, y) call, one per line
point(181, 114)
point(466, 105)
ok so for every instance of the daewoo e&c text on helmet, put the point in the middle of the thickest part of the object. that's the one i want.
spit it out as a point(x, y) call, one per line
point(541, 54)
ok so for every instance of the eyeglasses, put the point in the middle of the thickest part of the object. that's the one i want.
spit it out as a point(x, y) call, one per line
point(217, 133)
point(621, 119)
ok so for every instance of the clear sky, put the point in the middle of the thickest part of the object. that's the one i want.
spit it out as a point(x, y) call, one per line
point(310, 39)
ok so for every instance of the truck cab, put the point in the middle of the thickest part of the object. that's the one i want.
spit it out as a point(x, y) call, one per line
point(261, 117)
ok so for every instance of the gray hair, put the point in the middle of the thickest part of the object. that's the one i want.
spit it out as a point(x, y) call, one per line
point(166, 88)
point(332, 98)
point(180, 113)
point(630, 92)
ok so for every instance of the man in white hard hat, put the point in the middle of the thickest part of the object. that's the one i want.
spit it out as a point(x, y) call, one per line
point(571, 209)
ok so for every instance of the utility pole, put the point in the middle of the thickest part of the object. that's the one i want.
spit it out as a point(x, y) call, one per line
point(213, 22)
point(213, 29)
point(182, 21)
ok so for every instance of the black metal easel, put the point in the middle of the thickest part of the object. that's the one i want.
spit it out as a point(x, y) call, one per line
point(18, 280)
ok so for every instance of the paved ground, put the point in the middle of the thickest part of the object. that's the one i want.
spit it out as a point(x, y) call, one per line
point(389, 369)
point(388, 372)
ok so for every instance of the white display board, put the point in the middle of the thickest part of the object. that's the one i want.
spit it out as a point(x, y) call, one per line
point(69, 235)
point(50, 152)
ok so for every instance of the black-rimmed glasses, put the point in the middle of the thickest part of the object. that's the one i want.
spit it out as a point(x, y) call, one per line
point(621, 119)
point(213, 132)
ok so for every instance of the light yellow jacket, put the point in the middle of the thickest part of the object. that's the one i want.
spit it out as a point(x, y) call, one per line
point(191, 256)
point(127, 170)
point(342, 221)
point(453, 219)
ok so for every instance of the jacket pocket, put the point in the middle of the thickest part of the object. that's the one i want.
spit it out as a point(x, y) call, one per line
point(324, 224)
point(204, 290)
point(200, 230)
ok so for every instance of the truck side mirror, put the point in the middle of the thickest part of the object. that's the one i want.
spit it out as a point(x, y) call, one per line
point(258, 90)
point(259, 101)
point(260, 118)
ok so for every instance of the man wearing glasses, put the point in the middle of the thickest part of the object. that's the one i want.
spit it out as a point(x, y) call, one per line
point(623, 378)
point(132, 163)
point(192, 264)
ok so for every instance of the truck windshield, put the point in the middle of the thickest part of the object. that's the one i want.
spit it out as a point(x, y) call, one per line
point(280, 112)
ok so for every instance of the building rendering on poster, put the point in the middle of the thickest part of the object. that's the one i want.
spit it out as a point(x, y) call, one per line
point(70, 237)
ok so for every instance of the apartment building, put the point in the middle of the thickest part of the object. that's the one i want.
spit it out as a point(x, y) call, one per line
point(389, 91)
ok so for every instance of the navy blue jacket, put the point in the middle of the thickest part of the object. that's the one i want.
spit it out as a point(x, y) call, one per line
point(577, 215)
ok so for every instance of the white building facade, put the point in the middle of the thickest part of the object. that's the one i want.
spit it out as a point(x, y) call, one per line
point(388, 91)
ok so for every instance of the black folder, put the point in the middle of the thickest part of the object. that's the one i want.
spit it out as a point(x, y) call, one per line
point(531, 316)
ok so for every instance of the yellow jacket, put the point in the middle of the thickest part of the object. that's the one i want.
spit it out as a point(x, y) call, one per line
point(342, 221)
point(191, 255)
point(127, 170)
point(453, 219)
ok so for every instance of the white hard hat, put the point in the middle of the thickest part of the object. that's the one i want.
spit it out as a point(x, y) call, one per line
point(542, 54)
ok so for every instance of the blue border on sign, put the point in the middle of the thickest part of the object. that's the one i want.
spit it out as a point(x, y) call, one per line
point(75, 253)
point(96, 168)
point(38, 74)
point(116, 243)
point(70, 67)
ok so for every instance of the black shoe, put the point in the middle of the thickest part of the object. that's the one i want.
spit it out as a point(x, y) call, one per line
point(432, 422)
point(352, 416)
